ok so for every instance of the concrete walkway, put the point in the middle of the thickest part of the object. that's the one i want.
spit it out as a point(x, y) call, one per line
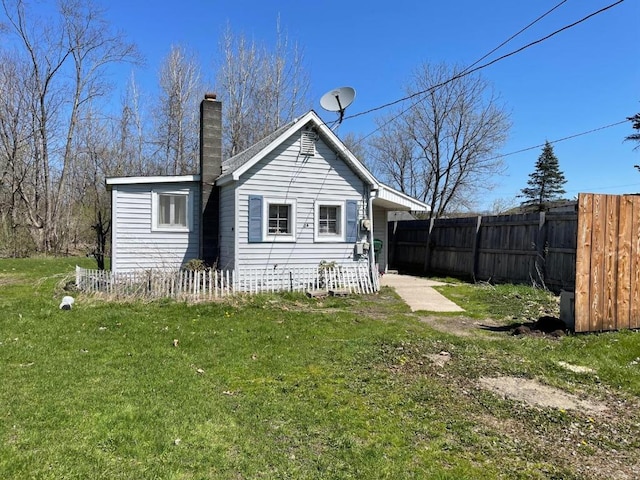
point(418, 293)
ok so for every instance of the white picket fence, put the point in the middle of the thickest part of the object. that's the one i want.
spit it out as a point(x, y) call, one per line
point(213, 284)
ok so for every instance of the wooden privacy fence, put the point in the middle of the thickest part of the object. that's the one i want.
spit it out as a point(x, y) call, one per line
point(537, 248)
point(607, 293)
point(213, 284)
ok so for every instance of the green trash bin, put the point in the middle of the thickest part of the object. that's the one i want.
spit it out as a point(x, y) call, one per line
point(377, 246)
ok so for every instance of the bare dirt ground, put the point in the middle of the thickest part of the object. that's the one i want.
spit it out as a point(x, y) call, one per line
point(461, 325)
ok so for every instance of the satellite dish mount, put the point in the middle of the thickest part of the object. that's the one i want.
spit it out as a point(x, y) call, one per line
point(338, 100)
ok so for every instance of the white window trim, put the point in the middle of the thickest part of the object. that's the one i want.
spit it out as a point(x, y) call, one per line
point(265, 220)
point(329, 238)
point(154, 210)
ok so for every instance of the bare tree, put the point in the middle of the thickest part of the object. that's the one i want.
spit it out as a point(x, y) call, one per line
point(15, 153)
point(442, 150)
point(88, 196)
point(67, 55)
point(260, 89)
point(357, 145)
point(128, 154)
point(176, 115)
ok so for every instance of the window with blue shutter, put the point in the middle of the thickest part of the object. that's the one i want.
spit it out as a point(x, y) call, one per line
point(255, 218)
point(352, 221)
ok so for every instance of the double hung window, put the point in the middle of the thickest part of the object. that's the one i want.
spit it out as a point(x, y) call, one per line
point(171, 210)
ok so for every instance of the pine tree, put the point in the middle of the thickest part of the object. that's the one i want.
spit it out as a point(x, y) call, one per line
point(545, 182)
point(635, 137)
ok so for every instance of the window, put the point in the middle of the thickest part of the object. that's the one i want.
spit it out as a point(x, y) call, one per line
point(279, 219)
point(271, 220)
point(329, 222)
point(171, 210)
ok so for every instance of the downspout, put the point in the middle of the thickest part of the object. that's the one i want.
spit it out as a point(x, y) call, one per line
point(372, 255)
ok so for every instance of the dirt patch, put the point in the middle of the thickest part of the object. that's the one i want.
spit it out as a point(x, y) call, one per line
point(439, 359)
point(576, 368)
point(6, 280)
point(534, 393)
point(460, 325)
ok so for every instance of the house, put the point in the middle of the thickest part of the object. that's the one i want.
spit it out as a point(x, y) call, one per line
point(296, 198)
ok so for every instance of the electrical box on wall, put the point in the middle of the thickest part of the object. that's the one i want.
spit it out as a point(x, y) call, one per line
point(361, 248)
point(365, 224)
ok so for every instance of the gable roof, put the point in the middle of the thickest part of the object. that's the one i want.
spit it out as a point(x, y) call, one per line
point(233, 163)
point(384, 196)
point(232, 168)
point(235, 166)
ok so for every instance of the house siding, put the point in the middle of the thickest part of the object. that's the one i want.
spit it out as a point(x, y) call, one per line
point(286, 175)
point(227, 227)
point(138, 247)
point(380, 233)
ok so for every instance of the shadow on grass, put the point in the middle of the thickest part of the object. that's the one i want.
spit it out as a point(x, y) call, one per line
point(545, 325)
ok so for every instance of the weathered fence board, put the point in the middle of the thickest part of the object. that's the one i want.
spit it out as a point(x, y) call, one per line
point(213, 284)
point(607, 292)
point(531, 248)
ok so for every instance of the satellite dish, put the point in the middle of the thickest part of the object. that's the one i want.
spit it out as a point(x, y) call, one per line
point(337, 100)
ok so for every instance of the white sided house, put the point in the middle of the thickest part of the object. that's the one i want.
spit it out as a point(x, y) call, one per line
point(297, 198)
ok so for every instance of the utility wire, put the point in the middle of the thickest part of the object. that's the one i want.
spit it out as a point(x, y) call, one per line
point(464, 73)
point(522, 30)
point(416, 102)
point(558, 140)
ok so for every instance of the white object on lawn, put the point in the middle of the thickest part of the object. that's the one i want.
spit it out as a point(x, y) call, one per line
point(66, 303)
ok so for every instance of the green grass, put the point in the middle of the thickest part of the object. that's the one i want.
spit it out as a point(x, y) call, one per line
point(504, 301)
point(282, 386)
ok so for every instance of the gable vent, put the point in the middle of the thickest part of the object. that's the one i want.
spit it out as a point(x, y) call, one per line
point(308, 143)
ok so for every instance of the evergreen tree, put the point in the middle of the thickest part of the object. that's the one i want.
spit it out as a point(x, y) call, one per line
point(545, 182)
point(635, 137)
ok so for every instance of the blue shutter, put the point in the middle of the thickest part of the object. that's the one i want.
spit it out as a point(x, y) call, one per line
point(352, 221)
point(255, 218)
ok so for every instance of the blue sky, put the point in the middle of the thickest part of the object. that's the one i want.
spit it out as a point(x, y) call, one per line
point(581, 79)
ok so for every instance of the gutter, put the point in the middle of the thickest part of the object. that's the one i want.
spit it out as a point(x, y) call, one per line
point(372, 255)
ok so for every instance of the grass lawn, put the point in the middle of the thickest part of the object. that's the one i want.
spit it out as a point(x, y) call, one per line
point(282, 386)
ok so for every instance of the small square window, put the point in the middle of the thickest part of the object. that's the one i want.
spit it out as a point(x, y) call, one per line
point(171, 210)
point(279, 219)
point(329, 222)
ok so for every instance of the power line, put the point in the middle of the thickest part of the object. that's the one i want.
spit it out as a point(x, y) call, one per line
point(402, 112)
point(464, 73)
point(496, 193)
point(558, 140)
point(522, 30)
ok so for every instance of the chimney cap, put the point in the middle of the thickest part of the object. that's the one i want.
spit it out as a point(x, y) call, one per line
point(210, 96)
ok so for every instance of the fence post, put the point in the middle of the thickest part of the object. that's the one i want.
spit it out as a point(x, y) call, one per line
point(427, 254)
point(541, 251)
point(475, 249)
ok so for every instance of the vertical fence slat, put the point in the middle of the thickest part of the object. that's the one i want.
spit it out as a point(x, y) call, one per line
point(610, 263)
point(634, 287)
point(623, 277)
point(583, 263)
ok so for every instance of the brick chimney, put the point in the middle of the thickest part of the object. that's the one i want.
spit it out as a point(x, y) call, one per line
point(210, 169)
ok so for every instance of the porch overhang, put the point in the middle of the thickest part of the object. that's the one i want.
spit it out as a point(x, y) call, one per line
point(393, 200)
